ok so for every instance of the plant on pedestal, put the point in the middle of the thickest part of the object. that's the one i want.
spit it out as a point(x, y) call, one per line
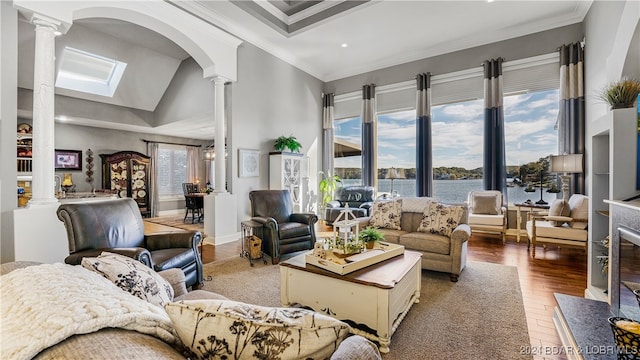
point(290, 142)
point(621, 94)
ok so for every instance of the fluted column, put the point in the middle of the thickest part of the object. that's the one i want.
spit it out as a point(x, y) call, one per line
point(43, 184)
point(221, 161)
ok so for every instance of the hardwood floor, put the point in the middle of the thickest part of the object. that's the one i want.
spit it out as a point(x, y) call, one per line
point(553, 270)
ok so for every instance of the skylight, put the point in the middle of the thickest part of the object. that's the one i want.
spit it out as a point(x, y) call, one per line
point(86, 72)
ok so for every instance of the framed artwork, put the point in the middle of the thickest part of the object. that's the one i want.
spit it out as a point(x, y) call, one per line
point(68, 159)
point(248, 163)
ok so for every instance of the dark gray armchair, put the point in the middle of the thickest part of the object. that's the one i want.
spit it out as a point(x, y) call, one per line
point(116, 226)
point(283, 231)
point(358, 197)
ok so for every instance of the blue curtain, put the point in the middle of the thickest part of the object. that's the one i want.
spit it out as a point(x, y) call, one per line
point(571, 119)
point(327, 134)
point(424, 143)
point(494, 160)
point(369, 120)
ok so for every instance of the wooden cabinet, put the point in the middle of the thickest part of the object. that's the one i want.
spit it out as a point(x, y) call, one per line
point(285, 172)
point(128, 172)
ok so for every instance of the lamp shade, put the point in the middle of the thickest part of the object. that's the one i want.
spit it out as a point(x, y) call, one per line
point(394, 173)
point(567, 163)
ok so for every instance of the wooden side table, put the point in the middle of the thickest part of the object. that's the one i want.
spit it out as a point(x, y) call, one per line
point(531, 207)
point(250, 242)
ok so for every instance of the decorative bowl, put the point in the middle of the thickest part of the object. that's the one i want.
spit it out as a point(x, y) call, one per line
point(627, 342)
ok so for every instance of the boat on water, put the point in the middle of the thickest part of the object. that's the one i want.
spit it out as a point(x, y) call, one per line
point(529, 188)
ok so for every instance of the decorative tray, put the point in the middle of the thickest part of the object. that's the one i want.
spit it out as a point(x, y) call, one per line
point(381, 251)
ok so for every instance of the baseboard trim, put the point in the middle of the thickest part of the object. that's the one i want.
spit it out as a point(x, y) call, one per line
point(210, 240)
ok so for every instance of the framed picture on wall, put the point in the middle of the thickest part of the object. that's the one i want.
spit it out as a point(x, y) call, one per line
point(68, 159)
point(248, 163)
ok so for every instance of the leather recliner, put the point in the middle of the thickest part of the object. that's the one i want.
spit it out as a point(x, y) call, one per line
point(116, 226)
point(358, 197)
point(282, 231)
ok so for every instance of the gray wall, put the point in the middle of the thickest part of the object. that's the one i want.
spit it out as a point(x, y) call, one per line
point(270, 98)
point(8, 123)
point(188, 96)
point(526, 46)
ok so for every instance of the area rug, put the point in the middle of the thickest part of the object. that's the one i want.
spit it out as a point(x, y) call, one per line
point(480, 317)
point(177, 222)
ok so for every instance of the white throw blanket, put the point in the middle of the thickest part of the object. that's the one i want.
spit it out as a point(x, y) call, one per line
point(45, 304)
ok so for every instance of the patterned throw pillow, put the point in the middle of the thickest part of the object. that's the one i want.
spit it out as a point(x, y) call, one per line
point(131, 276)
point(225, 329)
point(440, 218)
point(386, 214)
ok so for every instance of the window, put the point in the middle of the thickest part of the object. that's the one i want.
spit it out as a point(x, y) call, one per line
point(172, 169)
point(347, 142)
point(89, 73)
point(397, 150)
point(529, 121)
point(457, 149)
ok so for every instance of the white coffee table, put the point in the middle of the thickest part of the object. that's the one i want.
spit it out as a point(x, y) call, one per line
point(373, 300)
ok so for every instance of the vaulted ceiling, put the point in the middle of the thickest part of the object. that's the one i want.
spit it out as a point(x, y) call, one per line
point(307, 34)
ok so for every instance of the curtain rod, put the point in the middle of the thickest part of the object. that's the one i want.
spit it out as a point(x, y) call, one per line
point(168, 143)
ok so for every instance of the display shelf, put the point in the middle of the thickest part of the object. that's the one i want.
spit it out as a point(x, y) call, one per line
point(603, 212)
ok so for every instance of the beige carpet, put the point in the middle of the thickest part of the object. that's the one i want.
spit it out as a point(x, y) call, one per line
point(480, 317)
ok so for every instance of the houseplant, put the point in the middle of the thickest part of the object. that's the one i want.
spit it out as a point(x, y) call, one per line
point(370, 235)
point(327, 186)
point(290, 142)
point(621, 94)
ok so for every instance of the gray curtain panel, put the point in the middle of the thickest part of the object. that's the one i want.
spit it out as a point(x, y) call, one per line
point(494, 160)
point(154, 197)
point(424, 143)
point(571, 118)
point(369, 120)
point(327, 134)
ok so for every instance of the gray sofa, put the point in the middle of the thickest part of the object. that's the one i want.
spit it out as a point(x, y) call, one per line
point(118, 343)
point(439, 253)
point(358, 197)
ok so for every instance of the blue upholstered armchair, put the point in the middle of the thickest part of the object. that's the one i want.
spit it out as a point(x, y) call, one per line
point(358, 197)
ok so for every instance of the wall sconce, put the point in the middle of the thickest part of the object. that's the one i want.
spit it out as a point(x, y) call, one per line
point(209, 153)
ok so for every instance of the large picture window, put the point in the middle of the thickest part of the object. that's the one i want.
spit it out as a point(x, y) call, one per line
point(347, 161)
point(397, 153)
point(172, 169)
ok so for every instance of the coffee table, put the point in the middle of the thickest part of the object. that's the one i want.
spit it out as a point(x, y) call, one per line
point(373, 300)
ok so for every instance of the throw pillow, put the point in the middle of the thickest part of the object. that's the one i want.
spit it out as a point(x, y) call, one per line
point(440, 218)
point(559, 207)
point(485, 204)
point(579, 205)
point(225, 329)
point(131, 276)
point(386, 214)
point(416, 204)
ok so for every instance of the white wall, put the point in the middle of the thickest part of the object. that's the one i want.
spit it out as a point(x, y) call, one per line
point(610, 28)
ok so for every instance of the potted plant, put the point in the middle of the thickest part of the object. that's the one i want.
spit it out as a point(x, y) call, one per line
point(327, 187)
point(290, 142)
point(621, 94)
point(370, 235)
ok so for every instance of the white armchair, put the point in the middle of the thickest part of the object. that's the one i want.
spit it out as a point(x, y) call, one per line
point(565, 224)
point(486, 213)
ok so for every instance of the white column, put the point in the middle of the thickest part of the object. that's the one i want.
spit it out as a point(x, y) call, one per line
point(221, 161)
point(43, 184)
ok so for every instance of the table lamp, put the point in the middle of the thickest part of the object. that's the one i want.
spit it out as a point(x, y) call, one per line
point(566, 164)
point(393, 174)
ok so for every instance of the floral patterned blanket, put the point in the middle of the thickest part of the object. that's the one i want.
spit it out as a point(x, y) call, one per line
point(43, 305)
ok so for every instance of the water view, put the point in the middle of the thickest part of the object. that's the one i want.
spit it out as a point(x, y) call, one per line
point(455, 190)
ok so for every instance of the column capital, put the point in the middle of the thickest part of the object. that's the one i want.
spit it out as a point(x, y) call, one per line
point(45, 21)
point(219, 80)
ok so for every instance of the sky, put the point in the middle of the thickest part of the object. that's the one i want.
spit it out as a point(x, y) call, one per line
point(457, 133)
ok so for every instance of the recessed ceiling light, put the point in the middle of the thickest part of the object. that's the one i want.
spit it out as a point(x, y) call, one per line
point(344, 45)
